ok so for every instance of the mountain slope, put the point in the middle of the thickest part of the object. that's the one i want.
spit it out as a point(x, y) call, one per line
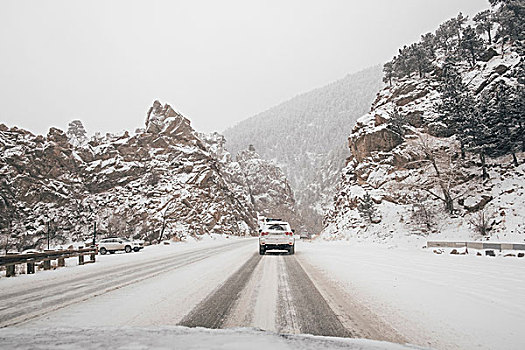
point(305, 136)
point(440, 154)
point(163, 181)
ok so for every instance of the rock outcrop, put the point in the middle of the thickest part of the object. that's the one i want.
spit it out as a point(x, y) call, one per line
point(392, 163)
point(160, 182)
point(257, 183)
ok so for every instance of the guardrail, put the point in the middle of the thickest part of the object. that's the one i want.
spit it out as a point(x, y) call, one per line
point(11, 260)
point(476, 245)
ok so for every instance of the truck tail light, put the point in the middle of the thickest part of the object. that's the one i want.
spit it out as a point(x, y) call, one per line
point(289, 233)
point(264, 233)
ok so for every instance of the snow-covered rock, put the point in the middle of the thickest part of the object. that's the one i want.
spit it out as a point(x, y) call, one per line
point(397, 172)
point(259, 183)
point(163, 180)
point(305, 136)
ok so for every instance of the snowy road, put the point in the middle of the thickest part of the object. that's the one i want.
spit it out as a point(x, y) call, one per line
point(271, 292)
point(395, 295)
point(22, 302)
point(226, 285)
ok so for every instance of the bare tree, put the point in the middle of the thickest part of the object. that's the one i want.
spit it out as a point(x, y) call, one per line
point(444, 174)
point(166, 216)
point(423, 215)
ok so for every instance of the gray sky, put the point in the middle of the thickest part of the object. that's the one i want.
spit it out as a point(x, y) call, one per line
point(217, 62)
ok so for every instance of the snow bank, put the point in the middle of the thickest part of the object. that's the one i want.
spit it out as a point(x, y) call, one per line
point(443, 301)
point(175, 338)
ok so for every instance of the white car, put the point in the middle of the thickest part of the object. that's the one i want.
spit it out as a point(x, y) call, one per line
point(114, 244)
point(276, 235)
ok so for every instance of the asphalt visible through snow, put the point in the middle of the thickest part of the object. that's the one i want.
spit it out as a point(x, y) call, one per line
point(226, 285)
point(31, 301)
point(299, 308)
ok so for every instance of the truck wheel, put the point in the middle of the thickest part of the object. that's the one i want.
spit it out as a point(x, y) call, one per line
point(262, 251)
point(127, 249)
point(136, 249)
point(102, 251)
point(291, 251)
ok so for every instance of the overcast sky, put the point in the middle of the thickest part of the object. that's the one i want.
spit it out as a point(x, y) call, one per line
point(217, 62)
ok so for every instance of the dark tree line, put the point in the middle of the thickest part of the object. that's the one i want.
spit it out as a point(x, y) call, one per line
point(492, 125)
point(460, 42)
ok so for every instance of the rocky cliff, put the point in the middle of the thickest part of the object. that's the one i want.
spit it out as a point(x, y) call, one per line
point(405, 160)
point(260, 183)
point(305, 137)
point(162, 181)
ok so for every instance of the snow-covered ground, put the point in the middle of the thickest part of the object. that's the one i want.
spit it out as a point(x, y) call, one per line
point(176, 338)
point(404, 295)
point(442, 301)
point(103, 262)
point(155, 286)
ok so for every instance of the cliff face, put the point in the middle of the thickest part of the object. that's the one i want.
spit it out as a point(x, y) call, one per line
point(258, 183)
point(162, 181)
point(404, 158)
point(270, 191)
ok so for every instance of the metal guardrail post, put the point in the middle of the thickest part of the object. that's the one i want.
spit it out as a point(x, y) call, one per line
point(11, 260)
point(10, 271)
point(477, 245)
point(30, 267)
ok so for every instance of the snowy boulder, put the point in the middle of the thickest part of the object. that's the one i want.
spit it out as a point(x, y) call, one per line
point(381, 139)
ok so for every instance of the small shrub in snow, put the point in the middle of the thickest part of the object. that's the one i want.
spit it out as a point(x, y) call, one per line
point(367, 209)
point(481, 222)
point(424, 216)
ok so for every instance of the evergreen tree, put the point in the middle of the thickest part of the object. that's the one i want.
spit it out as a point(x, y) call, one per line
point(398, 123)
point(511, 19)
point(419, 59)
point(367, 208)
point(428, 41)
point(458, 23)
point(402, 63)
point(457, 104)
point(484, 23)
point(471, 45)
point(446, 36)
point(388, 69)
point(518, 114)
point(503, 119)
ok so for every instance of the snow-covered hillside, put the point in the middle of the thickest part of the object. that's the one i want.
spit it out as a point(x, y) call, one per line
point(306, 137)
point(160, 182)
point(259, 181)
point(418, 158)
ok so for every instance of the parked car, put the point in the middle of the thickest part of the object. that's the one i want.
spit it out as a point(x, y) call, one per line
point(114, 244)
point(276, 235)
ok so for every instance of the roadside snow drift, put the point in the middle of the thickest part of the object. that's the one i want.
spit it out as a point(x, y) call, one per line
point(176, 338)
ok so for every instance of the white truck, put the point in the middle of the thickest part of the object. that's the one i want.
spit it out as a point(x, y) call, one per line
point(276, 235)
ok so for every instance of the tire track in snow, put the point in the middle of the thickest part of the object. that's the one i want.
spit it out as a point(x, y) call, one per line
point(213, 311)
point(20, 307)
point(312, 312)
